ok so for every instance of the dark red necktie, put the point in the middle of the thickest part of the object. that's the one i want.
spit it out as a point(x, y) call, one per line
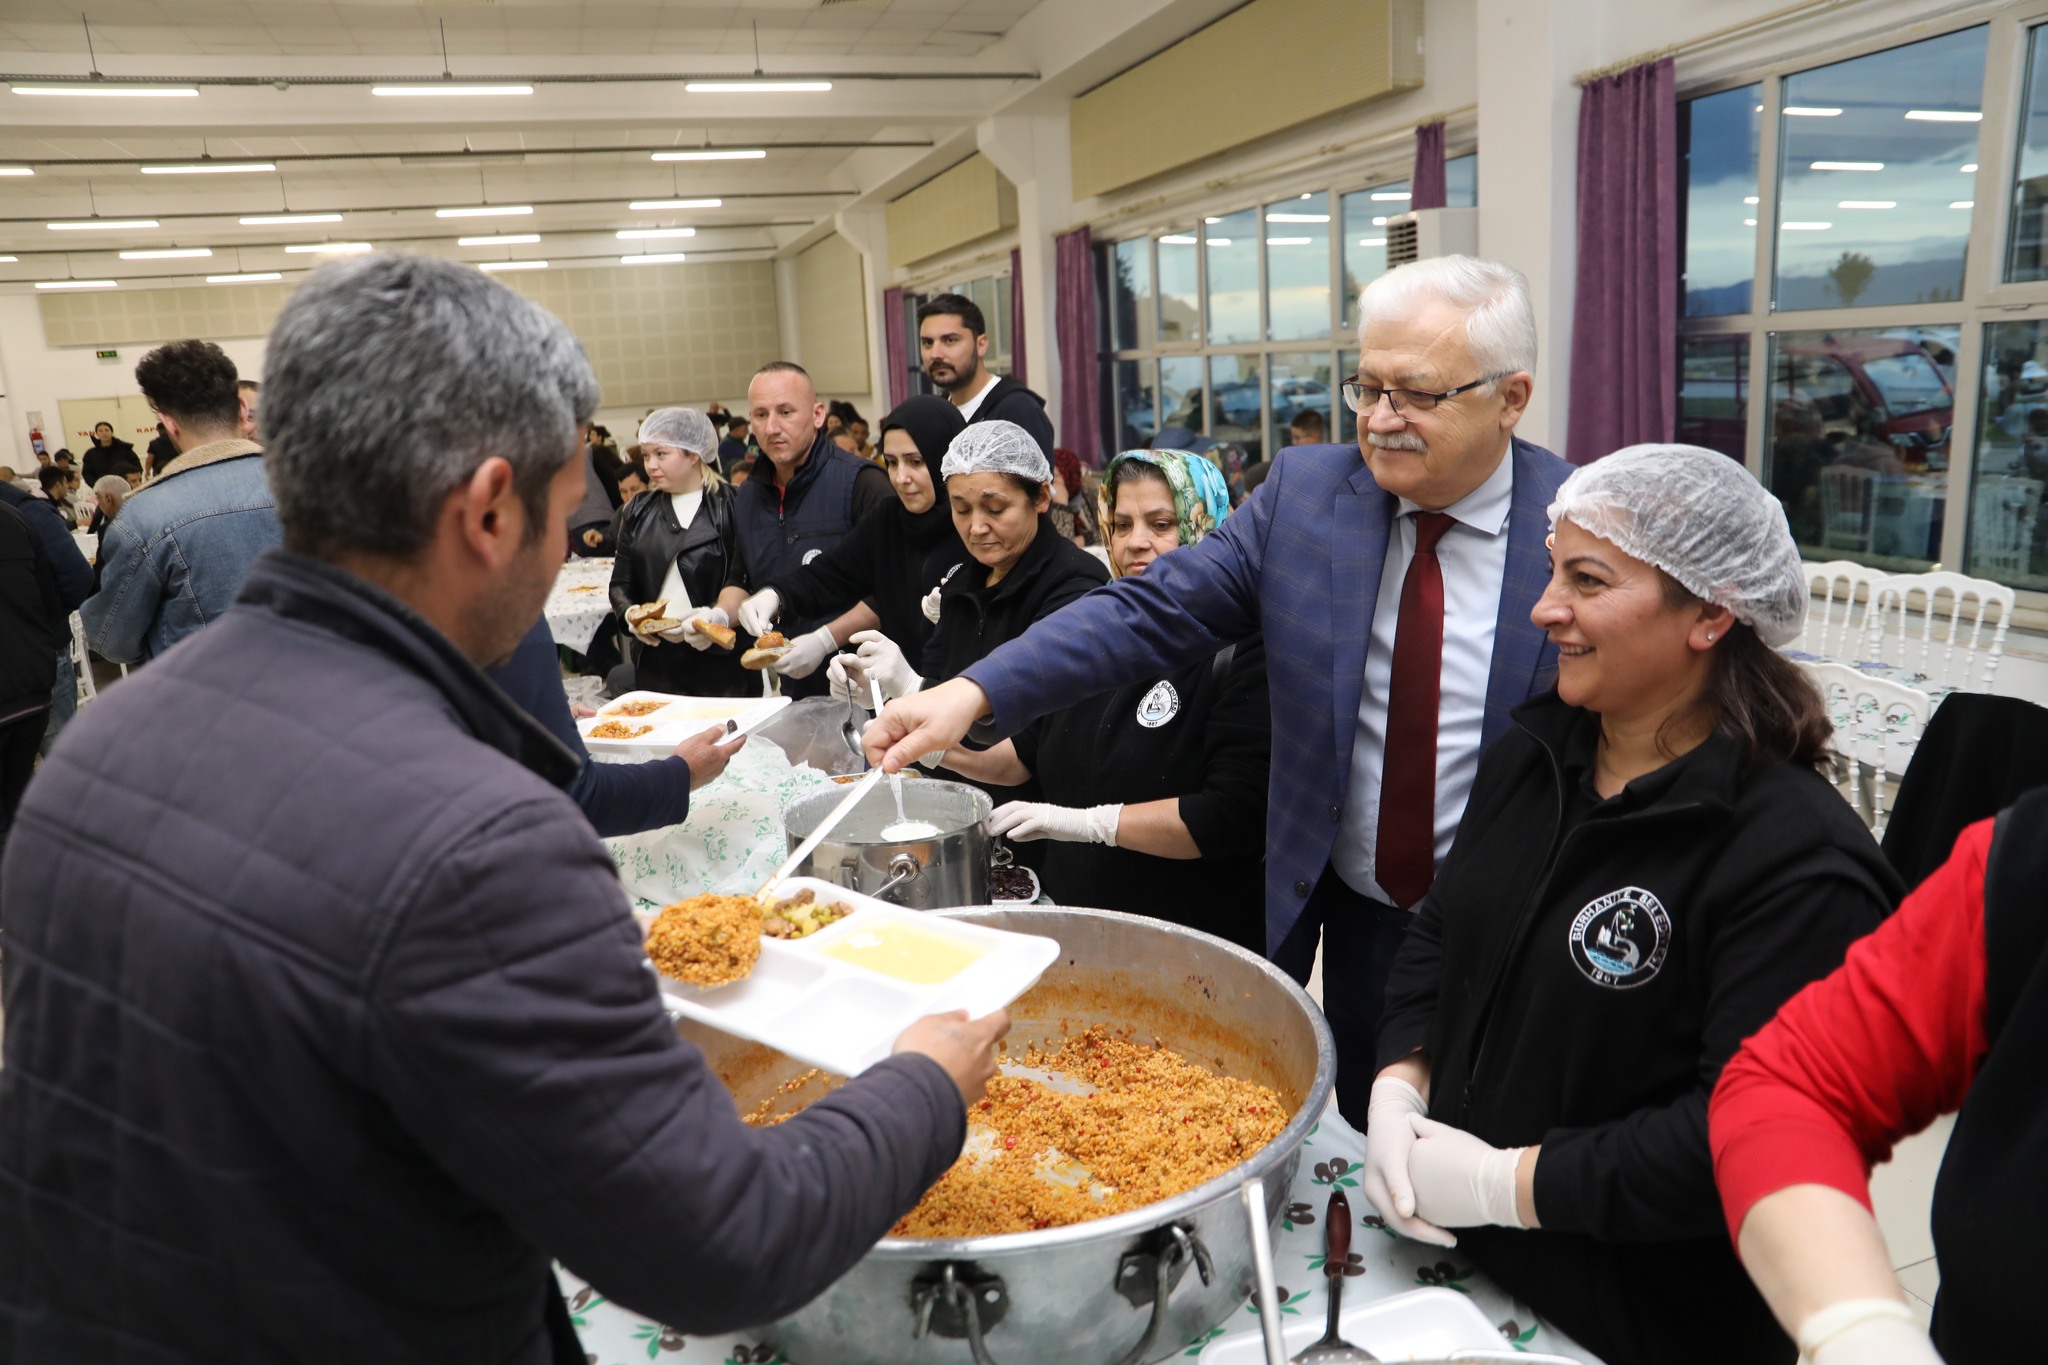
point(1405, 859)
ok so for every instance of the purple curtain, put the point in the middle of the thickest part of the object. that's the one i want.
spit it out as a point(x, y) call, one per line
point(893, 346)
point(1625, 310)
point(1426, 187)
point(1017, 316)
point(1079, 344)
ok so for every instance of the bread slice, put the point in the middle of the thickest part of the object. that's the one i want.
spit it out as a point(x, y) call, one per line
point(725, 637)
point(767, 651)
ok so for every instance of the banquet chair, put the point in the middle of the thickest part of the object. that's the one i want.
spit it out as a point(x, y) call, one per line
point(2004, 509)
point(1934, 624)
point(81, 660)
point(1848, 507)
point(1838, 622)
point(1877, 729)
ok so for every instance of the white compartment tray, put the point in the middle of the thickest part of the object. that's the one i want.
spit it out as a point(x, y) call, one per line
point(678, 719)
point(1423, 1324)
point(843, 1016)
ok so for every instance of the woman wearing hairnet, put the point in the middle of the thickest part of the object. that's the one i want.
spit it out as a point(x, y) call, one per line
point(1649, 866)
point(680, 544)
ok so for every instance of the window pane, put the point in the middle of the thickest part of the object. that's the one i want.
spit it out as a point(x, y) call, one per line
point(1720, 134)
point(2027, 253)
point(1871, 208)
point(1180, 393)
point(1130, 295)
point(2006, 529)
point(1859, 442)
point(1713, 393)
point(1232, 256)
point(1365, 239)
point(1180, 311)
point(1344, 430)
point(1301, 385)
point(1461, 181)
point(1237, 409)
point(1297, 268)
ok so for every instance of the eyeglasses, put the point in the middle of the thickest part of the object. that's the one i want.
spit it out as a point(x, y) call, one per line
point(1362, 398)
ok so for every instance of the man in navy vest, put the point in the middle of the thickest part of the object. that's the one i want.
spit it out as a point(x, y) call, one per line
point(813, 494)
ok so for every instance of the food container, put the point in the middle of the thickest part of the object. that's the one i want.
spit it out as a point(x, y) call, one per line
point(1132, 1288)
point(948, 869)
point(672, 719)
point(1423, 1325)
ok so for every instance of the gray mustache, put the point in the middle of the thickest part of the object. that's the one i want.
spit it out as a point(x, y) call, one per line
point(1395, 440)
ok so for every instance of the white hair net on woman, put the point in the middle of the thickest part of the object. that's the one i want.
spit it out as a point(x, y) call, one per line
point(1702, 518)
point(683, 428)
point(996, 448)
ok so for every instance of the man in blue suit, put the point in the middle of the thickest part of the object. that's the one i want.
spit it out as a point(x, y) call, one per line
point(1393, 592)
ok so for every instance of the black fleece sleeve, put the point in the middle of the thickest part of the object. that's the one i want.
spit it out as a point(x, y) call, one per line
point(1412, 988)
point(1227, 817)
point(870, 490)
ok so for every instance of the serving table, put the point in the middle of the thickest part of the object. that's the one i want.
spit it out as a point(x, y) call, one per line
point(579, 602)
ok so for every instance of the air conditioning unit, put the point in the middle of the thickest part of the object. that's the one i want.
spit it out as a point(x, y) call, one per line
point(1422, 233)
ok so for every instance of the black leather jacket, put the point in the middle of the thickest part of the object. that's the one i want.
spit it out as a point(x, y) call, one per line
point(649, 540)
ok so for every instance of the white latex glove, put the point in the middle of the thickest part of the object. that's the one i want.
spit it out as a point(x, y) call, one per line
point(881, 658)
point(930, 603)
point(1866, 1332)
point(1388, 1141)
point(1027, 820)
point(806, 652)
point(1460, 1181)
point(696, 639)
point(758, 613)
point(847, 681)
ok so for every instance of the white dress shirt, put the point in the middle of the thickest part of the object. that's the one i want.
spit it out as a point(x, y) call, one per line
point(1474, 556)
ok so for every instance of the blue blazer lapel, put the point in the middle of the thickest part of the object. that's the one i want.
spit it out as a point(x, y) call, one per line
point(1358, 554)
point(1524, 660)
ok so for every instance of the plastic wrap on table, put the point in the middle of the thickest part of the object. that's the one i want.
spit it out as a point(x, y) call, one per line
point(812, 732)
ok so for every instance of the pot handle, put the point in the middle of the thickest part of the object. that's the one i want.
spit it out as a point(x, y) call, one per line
point(902, 868)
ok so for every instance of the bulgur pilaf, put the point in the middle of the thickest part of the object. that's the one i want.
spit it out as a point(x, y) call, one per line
point(707, 940)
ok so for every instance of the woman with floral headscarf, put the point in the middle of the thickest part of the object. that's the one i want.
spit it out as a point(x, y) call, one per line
point(1155, 794)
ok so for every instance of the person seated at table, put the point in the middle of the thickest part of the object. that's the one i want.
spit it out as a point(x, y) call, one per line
point(1941, 1011)
point(107, 496)
point(55, 485)
point(894, 555)
point(680, 545)
point(1649, 866)
point(1155, 793)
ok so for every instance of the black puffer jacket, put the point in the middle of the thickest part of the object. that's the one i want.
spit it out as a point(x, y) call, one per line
point(1580, 972)
point(707, 553)
point(357, 1035)
point(29, 611)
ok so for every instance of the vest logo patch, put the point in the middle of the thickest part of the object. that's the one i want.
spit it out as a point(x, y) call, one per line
point(1160, 705)
point(1621, 939)
point(811, 555)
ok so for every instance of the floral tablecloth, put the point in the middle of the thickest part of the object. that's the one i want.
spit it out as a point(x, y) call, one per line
point(1381, 1264)
point(579, 602)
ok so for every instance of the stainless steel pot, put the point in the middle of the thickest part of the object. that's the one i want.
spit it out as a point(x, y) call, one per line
point(950, 869)
point(1133, 1288)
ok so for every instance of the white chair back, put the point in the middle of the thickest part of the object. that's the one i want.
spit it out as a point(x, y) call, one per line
point(1838, 618)
point(81, 660)
point(1959, 650)
point(1847, 506)
point(2004, 509)
point(1877, 727)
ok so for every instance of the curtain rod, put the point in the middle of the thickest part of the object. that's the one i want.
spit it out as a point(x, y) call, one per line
point(1715, 38)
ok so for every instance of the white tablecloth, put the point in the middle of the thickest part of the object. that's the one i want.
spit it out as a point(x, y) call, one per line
point(580, 602)
point(1383, 1265)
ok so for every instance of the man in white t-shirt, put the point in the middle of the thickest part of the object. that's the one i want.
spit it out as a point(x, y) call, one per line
point(952, 339)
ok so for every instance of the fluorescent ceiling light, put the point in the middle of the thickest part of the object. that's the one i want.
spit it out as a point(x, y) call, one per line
point(1970, 169)
point(278, 219)
point(502, 239)
point(643, 205)
point(1945, 115)
point(756, 87)
point(713, 154)
point(1806, 227)
point(1297, 217)
point(402, 90)
point(1379, 222)
point(211, 168)
point(1390, 196)
point(328, 248)
point(174, 253)
point(1212, 221)
point(110, 91)
point(1372, 241)
point(1289, 241)
point(1749, 199)
point(652, 258)
point(1749, 222)
point(1867, 204)
point(1177, 239)
point(513, 265)
point(17, 170)
point(75, 284)
point(253, 277)
point(9, 260)
point(1219, 241)
point(486, 211)
point(102, 225)
point(1845, 166)
point(1809, 111)
point(637, 234)
point(1963, 204)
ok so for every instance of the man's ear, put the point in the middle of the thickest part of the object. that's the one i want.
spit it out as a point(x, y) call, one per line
point(484, 508)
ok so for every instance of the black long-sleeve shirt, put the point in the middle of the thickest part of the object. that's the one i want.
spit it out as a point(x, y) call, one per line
point(887, 560)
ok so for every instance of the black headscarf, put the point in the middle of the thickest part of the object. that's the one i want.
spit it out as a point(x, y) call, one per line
point(932, 423)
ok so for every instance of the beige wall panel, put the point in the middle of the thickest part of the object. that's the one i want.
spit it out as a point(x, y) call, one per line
point(115, 316)
point(964, 204)
point(1300, 59)
point(832, 317)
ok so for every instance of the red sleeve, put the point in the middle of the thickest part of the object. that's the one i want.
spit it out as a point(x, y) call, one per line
point(1868, 1055)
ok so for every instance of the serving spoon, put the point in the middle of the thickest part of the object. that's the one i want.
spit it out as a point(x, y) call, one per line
point(1333, 1349)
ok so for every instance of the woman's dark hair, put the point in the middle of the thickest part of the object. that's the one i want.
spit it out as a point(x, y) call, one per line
point(1132, 471)
point(1762, 702)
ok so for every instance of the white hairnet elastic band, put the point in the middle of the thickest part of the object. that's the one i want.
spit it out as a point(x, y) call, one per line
point(683, 428)
point(996, 448)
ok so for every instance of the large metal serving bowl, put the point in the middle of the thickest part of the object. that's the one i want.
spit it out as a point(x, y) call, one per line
point(1085, 1294)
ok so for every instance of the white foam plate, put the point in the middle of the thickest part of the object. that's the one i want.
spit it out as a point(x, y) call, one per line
point(1423, 1324)
point(845, 1017)
point(678, 719)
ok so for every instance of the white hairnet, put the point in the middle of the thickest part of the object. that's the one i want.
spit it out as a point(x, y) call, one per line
point(683, 428)
point(996, 448)
point(1702, 518)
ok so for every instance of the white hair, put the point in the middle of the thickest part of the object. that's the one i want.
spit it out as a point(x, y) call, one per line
point(1500, 324)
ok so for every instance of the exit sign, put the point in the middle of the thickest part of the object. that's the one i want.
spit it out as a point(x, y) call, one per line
point(107, 355)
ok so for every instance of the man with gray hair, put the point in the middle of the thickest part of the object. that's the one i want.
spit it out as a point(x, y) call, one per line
point(1394, 594)
point(353, 1025)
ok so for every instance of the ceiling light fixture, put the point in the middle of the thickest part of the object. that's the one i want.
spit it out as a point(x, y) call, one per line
point(486, 211)
point(1970, 169)
point(1289, 241)
point(503, 239)
point(1805, 227)
point(177, 253)
point(111, 91)
point(757, 87)
point(637, 234)
point(211, 168)
point(1867, 204)
point(513, 265)
point(1177, 239)
point(713, 154)
point(643, 205)
point(17, 170)
point(1390, 196)
point(1963, 204)
point(328, 248)
point(653, 258)
point(1297, 217)
point(280, 219)
point(1749, 199)
point(76, 284)
point(252, 277)
point(1945, 115)
point(1845, 166)
point(9, 260)
point(1810, 111)
point(1372, 241)
point(103, 225)
point(401, 91)
point(1749, 222)
point(1220, 241)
